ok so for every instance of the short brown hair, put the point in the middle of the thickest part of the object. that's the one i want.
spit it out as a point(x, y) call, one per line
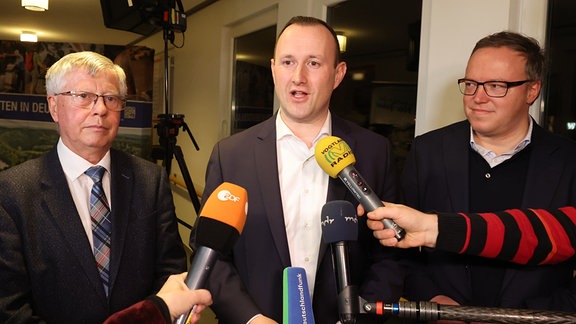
point(313, 21)
point(526, 46)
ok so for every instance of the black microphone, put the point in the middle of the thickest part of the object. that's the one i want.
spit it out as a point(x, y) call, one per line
point(340, 224)
point(220, 223)
point(336, 158)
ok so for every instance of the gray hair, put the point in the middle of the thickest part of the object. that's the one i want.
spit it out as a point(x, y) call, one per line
point(91, 62)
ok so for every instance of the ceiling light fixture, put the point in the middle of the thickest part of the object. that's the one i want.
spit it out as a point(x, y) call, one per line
point(341, 41)
point(35, 5)
point(27, 36)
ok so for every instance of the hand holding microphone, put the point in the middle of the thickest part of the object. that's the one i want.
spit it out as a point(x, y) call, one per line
point(336, 158)
point(219, 225)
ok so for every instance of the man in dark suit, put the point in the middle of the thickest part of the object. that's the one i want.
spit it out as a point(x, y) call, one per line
point(497, 159)
point(274, 161)
point(48, 268)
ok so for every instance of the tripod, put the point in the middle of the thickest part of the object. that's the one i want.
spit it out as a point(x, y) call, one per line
point(167, 130)
point(169, 124)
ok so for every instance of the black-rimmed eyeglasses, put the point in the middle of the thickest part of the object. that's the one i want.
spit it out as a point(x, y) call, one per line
point(495, 89)
point(87, 100)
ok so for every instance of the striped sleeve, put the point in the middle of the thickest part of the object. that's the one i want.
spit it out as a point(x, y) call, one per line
point(528, 236)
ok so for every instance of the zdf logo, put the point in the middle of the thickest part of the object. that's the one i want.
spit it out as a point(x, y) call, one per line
point(224, 195)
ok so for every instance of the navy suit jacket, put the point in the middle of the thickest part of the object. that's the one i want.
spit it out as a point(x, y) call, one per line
point(47, 267)
point(249, 281)
point(436, 178)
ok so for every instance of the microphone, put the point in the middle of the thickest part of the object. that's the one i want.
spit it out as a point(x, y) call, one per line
point(340, 224)
point(220, 223)
point(430, 311)
point(336, 158)
point(296, 297)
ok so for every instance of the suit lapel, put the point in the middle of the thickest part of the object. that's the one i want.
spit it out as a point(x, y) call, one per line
point(455, 156)
point(121, 186)
point(62, 210)
point(267, 172)
point(544, 172)
point(336, 189)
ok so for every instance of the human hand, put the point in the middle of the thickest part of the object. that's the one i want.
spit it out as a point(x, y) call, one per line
point(180, 299)
point(421, 228)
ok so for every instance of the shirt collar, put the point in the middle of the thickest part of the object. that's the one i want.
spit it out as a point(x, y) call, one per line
point(74, 165)
point(519, 147)
point(282, 130)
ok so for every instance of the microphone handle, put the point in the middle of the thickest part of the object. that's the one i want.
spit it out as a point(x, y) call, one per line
point(366, 196)
point(430, 311)
point(200, 268)
point(340, 254)
point(348, 305)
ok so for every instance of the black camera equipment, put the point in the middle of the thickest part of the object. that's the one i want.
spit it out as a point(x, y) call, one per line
point(168, 129)
point(169, 124)
point(147, 17)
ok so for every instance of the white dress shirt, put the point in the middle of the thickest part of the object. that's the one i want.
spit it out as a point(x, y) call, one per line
point(80, 184)
point(303, 187)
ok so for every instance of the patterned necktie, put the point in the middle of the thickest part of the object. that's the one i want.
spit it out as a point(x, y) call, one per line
point(101, 225)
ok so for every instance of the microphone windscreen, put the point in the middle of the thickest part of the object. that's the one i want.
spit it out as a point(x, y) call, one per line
point(296, 297)
point(222, 218)
point(333, 155)
point(339, 222)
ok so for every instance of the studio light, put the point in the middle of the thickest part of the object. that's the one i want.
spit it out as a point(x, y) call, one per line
point(27, 36)
point(35, 5)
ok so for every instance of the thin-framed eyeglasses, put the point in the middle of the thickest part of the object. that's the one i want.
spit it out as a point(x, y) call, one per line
point(495, 89)
point(87, 100)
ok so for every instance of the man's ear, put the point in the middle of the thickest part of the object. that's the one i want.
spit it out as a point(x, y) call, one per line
point(340, 73)
point(53, 107)
point(533, 91)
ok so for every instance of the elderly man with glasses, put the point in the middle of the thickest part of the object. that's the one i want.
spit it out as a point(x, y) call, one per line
point(85, 230)
point(498, 158)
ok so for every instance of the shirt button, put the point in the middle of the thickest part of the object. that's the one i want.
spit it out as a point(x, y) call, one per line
point(487, 175)
point(307, 259)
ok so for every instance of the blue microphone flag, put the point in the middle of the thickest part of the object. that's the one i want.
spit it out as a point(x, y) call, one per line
point(339, 222)
point(296, 297)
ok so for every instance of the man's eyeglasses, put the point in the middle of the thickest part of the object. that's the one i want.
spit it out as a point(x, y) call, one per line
point(87, 100)
point(495, 89)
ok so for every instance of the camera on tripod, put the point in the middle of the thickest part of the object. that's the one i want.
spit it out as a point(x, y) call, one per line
point(168, 128)
point(169, 125)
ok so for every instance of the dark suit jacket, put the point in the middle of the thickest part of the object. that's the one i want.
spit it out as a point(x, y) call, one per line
point(47, 268)
point(436, 179)
point(250, 280)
